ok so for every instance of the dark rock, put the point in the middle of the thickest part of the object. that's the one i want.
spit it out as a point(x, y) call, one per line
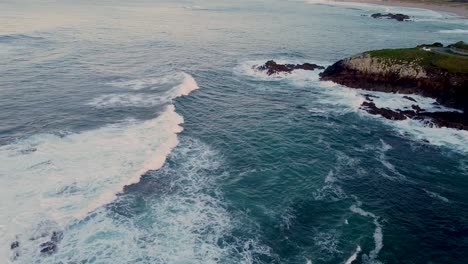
point(410, 98)
point(14, 245)
point(455, 120)
point(398, 17)
point(433, 45)
point(57, 236)
point(371, 108)
point(48, 247)
point(369, 97)
point(417, 108)
point(271, 67)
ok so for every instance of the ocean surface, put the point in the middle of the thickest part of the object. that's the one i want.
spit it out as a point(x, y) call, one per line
point(138, 132)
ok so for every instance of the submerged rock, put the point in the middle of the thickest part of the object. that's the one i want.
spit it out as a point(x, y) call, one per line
point(14, 245)
point(271, 67)
point(409, 98)
point(48, 247)
point(398, 17)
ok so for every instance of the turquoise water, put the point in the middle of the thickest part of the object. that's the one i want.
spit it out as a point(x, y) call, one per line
point(235, 166)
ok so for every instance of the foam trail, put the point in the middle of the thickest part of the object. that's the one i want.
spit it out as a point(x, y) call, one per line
point(354, 256)
point(56, 179)
point(378, 234)
point(437, 196)
point(147, 92)
point(454, 31)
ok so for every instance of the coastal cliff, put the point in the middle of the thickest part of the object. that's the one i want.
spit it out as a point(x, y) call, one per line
point(425, 70)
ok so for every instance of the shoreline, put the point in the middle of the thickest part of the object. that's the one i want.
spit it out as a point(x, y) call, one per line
point(459, 9)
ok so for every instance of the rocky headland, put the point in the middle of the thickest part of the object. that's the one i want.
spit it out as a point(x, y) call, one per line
point(427, 70)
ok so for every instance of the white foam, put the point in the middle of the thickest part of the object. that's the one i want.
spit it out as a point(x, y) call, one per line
point(381, 152)
point(398, 101)
point(148, 92)
point(347, 4)
point(354, 256)
point(330, 177)
point(63, 178)
point(378, 234)
point(181, 224)
point(350, 100)
point(328, 243)
point(454, 31)
point(443, 137)
point(436, 196)
point(57, 179)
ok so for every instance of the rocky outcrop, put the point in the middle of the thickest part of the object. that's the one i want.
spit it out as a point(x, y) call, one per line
point(271, 67)
point(398, 17)
point(453, 119)
point(387, 75)
point(390, 71)
point(46, 248)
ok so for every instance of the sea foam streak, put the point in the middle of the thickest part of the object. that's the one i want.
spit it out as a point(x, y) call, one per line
point(57, 179)
point(378, 235)
point(454, 31)
point(143, 91)
point(354, 256)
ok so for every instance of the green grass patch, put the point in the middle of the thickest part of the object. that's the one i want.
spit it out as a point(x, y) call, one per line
point(426, 59)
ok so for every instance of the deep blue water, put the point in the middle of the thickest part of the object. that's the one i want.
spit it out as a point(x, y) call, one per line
point(281, 169)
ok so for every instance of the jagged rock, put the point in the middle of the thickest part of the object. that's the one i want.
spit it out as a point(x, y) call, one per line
point(417, 108)
point(14, 245)
point(51, 247)
point(271, 67)
point(371, 108)
point(409, 98)
point(48, 247)
point(57, 236)
point(398, 17)
point(455, 120)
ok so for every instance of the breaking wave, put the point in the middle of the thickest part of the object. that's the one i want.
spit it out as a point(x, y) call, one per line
point(61, 178)
point(147, 92)
point(185, 220)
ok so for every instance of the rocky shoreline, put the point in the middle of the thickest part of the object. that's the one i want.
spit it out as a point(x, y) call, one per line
point(449, 119)
point(389, 72)
point(427, 70)
point(363, 71)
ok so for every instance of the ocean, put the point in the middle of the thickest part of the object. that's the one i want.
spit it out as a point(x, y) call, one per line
point(139, 132)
